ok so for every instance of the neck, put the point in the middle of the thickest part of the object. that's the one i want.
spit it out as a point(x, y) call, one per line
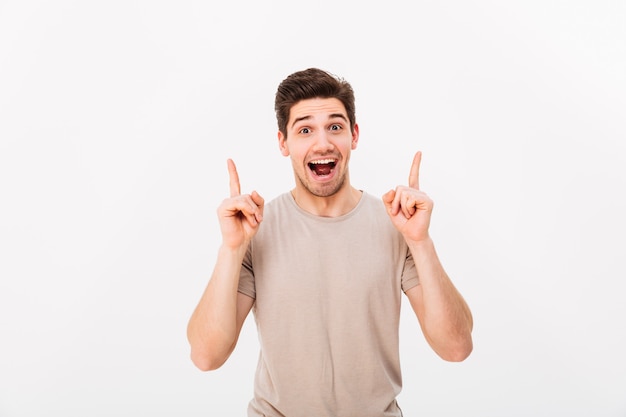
point(335, 205)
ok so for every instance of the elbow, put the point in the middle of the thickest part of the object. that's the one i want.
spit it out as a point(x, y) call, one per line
point(205, 362)
point(458, 352)
point(208, 358)
point(207, 354)
point(460, 345)
point(457, 355)
point(455, 348)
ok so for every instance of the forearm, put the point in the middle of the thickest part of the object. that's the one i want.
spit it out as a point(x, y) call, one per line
point(212, 329)
point(444, 315)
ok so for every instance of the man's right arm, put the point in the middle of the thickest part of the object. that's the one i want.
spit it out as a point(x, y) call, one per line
point(217, 320)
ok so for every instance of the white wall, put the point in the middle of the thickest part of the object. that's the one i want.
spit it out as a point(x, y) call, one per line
point(115, 122)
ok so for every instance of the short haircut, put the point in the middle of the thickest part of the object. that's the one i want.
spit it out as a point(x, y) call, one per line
point(308, 84)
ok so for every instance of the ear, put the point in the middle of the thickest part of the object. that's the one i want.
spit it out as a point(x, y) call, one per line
point(355, 136)
point(282, 144)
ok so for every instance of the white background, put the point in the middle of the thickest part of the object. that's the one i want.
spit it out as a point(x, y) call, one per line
point(116, 119)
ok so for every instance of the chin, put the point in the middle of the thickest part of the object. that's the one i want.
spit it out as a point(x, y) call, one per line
point(326, 190)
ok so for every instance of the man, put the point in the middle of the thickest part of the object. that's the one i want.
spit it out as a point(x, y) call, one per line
point(324, 267)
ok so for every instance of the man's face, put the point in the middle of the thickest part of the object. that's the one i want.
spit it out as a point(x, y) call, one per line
point(319, 142)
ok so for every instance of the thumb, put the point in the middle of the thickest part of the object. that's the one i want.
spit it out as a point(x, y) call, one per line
point(388, 197)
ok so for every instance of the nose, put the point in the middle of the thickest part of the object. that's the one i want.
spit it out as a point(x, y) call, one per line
point(322, 142)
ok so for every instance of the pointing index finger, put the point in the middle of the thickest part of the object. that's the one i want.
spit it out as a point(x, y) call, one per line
point(414, 176)
point(235, 189)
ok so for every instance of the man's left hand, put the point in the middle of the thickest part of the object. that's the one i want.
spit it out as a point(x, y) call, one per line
point(410, 208)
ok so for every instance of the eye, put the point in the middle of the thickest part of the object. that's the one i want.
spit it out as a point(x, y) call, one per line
point(335, 127)
point(304, 130)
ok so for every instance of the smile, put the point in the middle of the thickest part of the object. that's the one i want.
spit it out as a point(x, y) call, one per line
point(322, 167)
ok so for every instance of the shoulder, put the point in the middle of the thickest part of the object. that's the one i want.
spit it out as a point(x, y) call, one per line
point(278, 213)
point(372, 204)
point(369, 199)
point(373, 211)
point(279, 204)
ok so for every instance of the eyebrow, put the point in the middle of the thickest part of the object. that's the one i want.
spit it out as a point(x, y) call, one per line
point(330, 116)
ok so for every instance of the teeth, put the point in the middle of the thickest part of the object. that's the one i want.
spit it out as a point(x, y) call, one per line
point(323, 161)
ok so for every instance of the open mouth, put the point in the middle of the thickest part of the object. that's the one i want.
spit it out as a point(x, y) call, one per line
point(322, 167)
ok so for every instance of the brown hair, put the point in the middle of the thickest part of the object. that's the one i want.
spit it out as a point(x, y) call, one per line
point(312, 83)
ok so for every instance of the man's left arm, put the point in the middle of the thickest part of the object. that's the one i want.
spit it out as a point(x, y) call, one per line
point(443, 314)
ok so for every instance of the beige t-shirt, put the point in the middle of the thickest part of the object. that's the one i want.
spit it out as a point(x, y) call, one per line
point(327, 308)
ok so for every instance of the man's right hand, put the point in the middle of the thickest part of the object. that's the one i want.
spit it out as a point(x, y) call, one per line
point(239, 215)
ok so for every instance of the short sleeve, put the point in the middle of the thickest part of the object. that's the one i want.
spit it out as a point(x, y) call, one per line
point(409, 273)
point(246, 276)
